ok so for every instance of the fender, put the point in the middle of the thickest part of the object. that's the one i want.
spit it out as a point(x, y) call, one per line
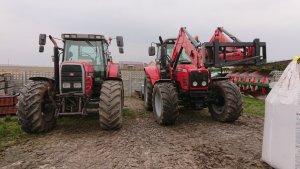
point(112, 71)
point(153, 73)
point(163, 81)
point(220, 78)
point(39, 78)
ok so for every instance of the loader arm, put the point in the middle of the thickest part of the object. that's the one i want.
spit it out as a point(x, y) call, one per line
point(220, 35)
point(223, 49)
point(190, 45)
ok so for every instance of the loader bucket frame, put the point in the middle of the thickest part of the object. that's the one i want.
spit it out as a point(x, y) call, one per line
point(212, 51)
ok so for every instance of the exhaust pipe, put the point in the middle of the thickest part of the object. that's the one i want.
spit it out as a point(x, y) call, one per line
point(56, 63)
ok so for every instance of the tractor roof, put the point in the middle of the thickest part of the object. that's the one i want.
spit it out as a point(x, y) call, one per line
point(170, 40)
point(74, 36)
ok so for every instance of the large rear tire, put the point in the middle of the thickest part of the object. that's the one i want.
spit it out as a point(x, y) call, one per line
point(165, 103)
point(111, 105)
point(35, 108)
point(148, 89)
point(228, 104)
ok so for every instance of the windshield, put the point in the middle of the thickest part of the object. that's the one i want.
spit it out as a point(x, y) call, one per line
point(184, 58)
point(170, 48)
point(89, 51)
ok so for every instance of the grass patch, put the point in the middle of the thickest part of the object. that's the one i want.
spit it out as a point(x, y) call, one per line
point(254, 107)
point(128, 113)
point(10, 130)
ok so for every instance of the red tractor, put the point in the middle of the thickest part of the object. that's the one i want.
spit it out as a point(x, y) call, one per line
point(181, 75)
point(86, 80)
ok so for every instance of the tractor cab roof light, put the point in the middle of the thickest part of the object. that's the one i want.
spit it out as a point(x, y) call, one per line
point(69, 36)
point(73, 36)
point(92, 36)
point(81, 36)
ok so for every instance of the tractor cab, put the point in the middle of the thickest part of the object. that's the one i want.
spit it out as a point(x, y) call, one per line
point(91, 50)
point(85, 48)
point(163, 56)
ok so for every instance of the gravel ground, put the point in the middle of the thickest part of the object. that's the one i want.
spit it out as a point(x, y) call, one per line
point(196, 141)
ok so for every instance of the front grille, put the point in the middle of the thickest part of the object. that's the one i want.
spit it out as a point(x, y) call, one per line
point(71, 74)
point(199, 77)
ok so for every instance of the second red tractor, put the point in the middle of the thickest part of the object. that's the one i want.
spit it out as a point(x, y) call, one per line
point(181, 75)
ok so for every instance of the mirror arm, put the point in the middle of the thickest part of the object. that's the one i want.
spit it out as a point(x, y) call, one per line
point(53, 41)
point(152, 43)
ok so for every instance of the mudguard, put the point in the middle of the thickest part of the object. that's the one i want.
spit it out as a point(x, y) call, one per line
point(38, 78)
point(112, 70)
point(153, 73)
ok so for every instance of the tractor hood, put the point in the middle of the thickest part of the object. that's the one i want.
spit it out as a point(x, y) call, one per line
point(89, 69)
point(76, 77)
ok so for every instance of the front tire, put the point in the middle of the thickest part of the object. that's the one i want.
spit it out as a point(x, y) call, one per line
point(165, 103)
point(228, 104)
point(35, 108)
point(111, 105)
point(148, 89)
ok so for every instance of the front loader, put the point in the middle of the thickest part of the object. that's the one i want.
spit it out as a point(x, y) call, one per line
point(181, 75)
point(85, 80)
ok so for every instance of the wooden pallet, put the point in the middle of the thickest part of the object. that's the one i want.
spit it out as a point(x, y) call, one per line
point(6, 84)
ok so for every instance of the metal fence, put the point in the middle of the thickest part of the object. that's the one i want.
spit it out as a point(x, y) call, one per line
point(22, 78)
point(132, 80)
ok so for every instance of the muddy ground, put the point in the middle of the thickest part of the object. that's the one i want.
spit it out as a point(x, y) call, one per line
point(196, 141)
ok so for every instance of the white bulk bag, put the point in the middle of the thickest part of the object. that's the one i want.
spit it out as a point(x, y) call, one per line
point(281, 140)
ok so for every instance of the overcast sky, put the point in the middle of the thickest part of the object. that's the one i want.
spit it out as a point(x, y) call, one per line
point(140, 22)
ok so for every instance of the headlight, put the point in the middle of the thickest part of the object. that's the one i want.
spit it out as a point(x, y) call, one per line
point(203, 83)
point(77, 85)
point(195, 83)
point(66, 85)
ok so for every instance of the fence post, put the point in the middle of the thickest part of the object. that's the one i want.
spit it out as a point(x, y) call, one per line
point(130, 83)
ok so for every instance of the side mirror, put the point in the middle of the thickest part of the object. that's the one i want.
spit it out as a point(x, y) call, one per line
point(42, 39)
point(120, 41)
point(41, 49)
point(121, 50)
point(151, 51)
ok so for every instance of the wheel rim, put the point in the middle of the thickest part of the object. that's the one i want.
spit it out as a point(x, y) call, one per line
point(47, 109)
point(219, 105)
point(158, 103)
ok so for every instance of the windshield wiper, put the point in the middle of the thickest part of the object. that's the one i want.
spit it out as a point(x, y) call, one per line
point(91, 45)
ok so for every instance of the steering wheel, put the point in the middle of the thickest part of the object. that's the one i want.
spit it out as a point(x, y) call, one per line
point(88, 56)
